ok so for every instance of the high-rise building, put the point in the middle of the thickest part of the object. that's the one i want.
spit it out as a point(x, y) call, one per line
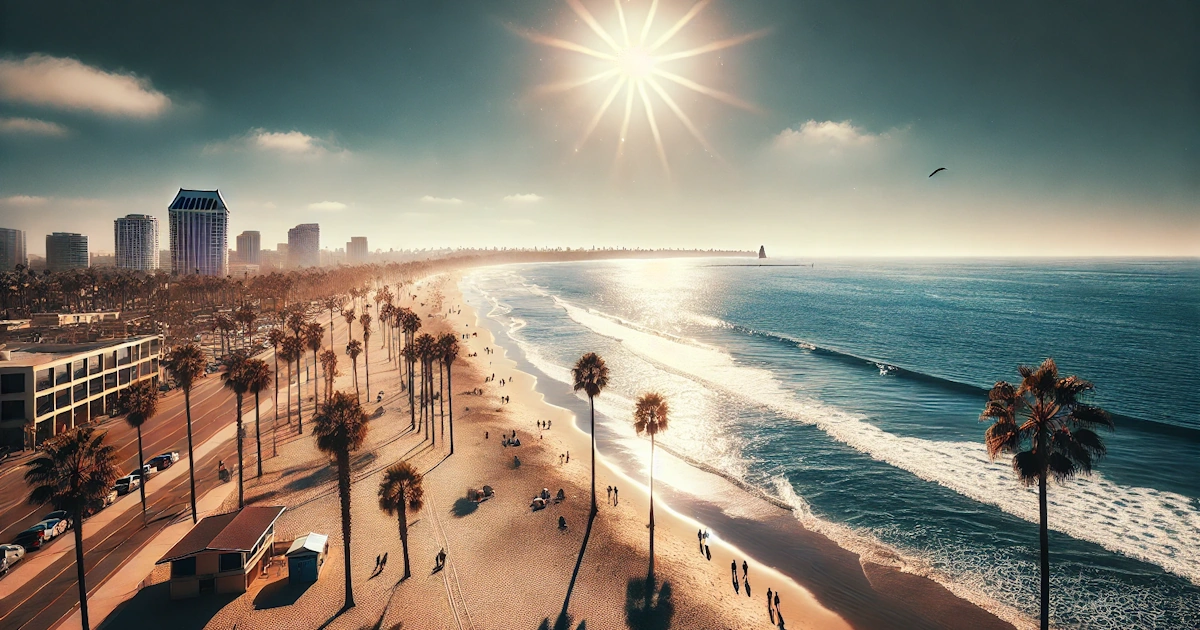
point(304, 245)
point(66, 250)
point(356, 250)
point(136, 236)
point(199, 233)
point(12, 249)
point(249, 246)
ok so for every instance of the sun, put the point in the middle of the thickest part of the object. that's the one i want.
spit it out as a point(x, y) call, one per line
point(637, 66)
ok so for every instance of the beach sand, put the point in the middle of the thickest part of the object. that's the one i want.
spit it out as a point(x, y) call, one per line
point(507, 565)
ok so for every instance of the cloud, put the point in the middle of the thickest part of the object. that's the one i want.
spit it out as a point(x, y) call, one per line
point(327, 206)
point(291, 142)
point(525, 198)
point(69, 84)
point(23, 200)
point(827, 134)
point(31, 126)
point(441, 200)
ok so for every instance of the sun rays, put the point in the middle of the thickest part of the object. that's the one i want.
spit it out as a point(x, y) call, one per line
point(637, 68)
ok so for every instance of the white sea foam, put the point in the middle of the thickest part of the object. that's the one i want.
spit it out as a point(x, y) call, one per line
point(1159, 527)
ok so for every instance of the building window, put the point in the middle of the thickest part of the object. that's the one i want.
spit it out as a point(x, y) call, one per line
point(124, 376)
point(80, 368)
point(231, 561)
point(97, 408)
point(81, 415)
point(12, 410)
point(154, 346)
point(95, 364)
point(110, 380)
point(62, 374)
point(123, 355)
point(12, 383)
point(44, 379)
point(80, 392)
point(110, 360)
point(95, 386)
point(45, 404)
point(183, 568)
point(145, 351)
point(62, 399)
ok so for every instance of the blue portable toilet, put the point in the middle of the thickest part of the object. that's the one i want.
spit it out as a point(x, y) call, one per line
point(306, 556)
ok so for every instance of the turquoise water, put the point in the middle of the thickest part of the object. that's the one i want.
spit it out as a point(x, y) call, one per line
point(851, 390)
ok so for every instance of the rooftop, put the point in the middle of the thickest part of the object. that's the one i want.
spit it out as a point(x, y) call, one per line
point(234, 531)
point(27, 353)
point(198, 200)
point(308, 542)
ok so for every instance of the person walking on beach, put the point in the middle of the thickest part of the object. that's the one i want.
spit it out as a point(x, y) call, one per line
point(568, 457)
point(770, 608)
point(700, 540)
point(610, 495)
point(745, 570)
point(616, 498)
point(733, 570)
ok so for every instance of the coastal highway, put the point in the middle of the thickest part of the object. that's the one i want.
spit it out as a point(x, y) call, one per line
point(46, 598)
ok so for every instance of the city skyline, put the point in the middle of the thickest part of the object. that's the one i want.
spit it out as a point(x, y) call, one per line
point(468, 137)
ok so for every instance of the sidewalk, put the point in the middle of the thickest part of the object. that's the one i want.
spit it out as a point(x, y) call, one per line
point(126, 582)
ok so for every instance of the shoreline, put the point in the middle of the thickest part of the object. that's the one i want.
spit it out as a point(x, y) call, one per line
point(842, 581)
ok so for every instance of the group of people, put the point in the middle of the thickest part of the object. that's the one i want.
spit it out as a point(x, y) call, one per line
point(504, 399)
point(704, 550)
point(612, 495)
point(543, 424)
point(567, 455)
point(380, 564)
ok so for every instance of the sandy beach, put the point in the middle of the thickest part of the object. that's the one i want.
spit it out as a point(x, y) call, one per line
point(509, 566)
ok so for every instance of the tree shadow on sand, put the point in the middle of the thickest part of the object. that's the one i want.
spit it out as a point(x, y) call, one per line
point(463, 506)
point(648, 606)
point(563, 622)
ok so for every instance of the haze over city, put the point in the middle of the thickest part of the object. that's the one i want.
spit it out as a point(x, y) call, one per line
point(1074, 126)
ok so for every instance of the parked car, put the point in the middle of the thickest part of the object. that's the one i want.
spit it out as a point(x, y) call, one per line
point(32, 538)
point(10, 555)
point(54, 527)
point(164, 460)
point(127, 484)
point(108, 500)
point(147, 471)
point(60, 514)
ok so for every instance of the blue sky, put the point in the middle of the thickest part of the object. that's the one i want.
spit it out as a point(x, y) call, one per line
point(1068, 129)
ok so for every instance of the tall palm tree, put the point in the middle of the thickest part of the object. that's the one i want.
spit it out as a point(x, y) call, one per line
point(72, 474)
point(341, 428)
point(290, 353)
point(140, 403)
point(313, 334)
point(185, 364)
point(409, 353)
point(296, 322)
point(329, 361)
point(410, 323)
point(399, 492)
point(258, 377)
point(650, 417)
point(349, 316)
point(237, 380)
point(448, 347)
point(425, 346)
point(365, 322)
point(591, 377)
point(353, 349)
point(1048, 429)
point(275, 337)
point(334, 303)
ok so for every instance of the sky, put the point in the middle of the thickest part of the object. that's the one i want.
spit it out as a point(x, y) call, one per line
point(810, 127)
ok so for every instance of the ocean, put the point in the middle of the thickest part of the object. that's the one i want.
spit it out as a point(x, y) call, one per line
point(850, 390)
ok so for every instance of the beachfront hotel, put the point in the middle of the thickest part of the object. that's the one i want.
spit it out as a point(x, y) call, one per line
point(66, 250)
point(46, 389)
point(136, 237)
point(12, 249)
point(199, 222)
point(304, 245)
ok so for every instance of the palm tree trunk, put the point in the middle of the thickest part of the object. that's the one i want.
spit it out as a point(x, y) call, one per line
point(187, 403)
point(412, 409)
point(257, 435)
point(142, 467)
point(299, 398)
point(275, 355)
point(442, 399)
point(354, 370)
point(1044, 538)
point(450, 393)
point(592, 401)
point(315, 387)
point(79, 570)
point(651, 574)
point(241, 495)
point(367, 367)
point(404, 537)
point(343, 458)
point(289, 392)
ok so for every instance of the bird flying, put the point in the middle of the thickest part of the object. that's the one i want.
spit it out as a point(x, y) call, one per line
point(939, 169)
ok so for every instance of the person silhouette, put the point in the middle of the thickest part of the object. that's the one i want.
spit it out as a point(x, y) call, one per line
point(745, 569)
point(770, 608)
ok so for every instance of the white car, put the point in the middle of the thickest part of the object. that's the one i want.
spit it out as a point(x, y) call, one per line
point(10, 555)
point(54, 527)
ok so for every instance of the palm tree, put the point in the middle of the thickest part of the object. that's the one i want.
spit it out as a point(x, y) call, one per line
point(275, 338)
point(237, 380)
point(313, 333)
point(140, 403)
point(73, 474)
point(185, 364)
point(290, 353)
point(1048, 429)
point(591, 377)
point(329, 361)
point(353, 349)
point(341, 428)
point(334, 303)
point(365, 322)
point(399, 492)
point(650, 417)
point(409, 353)
point(246, 316)
point(349, 316)
point(425, 346)
point(258, 378)
point(448, 348)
